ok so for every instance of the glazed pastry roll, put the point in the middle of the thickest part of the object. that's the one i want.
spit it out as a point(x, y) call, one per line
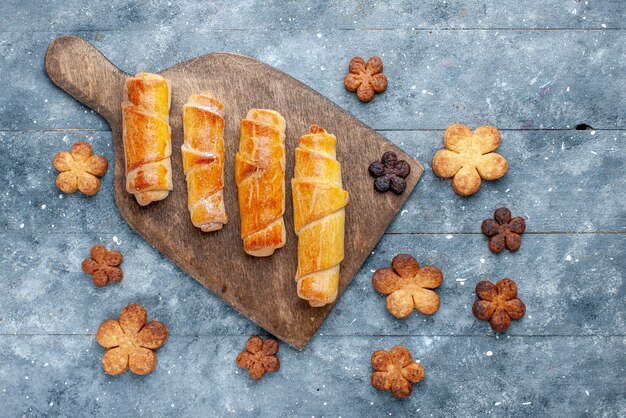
point(319, 216)
point(260, 179)
point(147, 137)
point(203, 161)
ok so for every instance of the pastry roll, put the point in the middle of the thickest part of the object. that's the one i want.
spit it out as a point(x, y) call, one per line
point(147, 137)
point(260, 179)
point(319, 216)
point(203, 161)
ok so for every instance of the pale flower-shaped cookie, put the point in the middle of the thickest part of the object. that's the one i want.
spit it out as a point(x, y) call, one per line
point(80, 169)
point(130, 341)
point(408, 286)
point(396, 371)
point(468, 157)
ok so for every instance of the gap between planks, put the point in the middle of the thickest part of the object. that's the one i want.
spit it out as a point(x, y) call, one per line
point(89, 232)
point(323, 335)
point(525, 233)
point(94, 130)
point(316, 30)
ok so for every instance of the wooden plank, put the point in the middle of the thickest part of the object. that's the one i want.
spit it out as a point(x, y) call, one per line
point(581, 165)
point(550, 174)
point(306, 15)
point(572, 284)
point(435, 78)
point(517, 376)
point(217, 260)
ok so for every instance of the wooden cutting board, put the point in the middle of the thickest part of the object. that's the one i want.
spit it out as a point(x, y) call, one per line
point(263, 289)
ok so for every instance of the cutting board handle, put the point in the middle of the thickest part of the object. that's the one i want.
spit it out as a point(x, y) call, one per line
point(84, 73)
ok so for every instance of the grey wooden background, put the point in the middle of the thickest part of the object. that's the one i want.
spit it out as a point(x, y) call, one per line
point(536, 70)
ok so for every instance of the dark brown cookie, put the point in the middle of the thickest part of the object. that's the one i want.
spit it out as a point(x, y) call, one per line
point(498, 304)
point(504, 231)
point(390, 173)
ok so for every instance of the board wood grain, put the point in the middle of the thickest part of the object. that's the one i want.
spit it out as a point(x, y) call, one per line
point(262, 289)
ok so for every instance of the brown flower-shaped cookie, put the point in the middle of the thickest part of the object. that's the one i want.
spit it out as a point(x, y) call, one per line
point(103, 266)
point(130, 341)
point(503, 231)
point(390, 173)
point(468, 157)
point(259, 357)
point(498, 303)
point(79, 170)
point(396, 371)
point(365, 79)
point(408, 286)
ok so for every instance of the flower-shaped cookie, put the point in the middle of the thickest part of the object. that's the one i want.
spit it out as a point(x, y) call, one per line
point(498, 303)
point(103, 266)
point(79, 170)
point(408, 286)
point(468, 157)
point(396, 371)
point(130, 341)
point(503, 231)
point(390, 173)
point(259, 357)
point(365, 79)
